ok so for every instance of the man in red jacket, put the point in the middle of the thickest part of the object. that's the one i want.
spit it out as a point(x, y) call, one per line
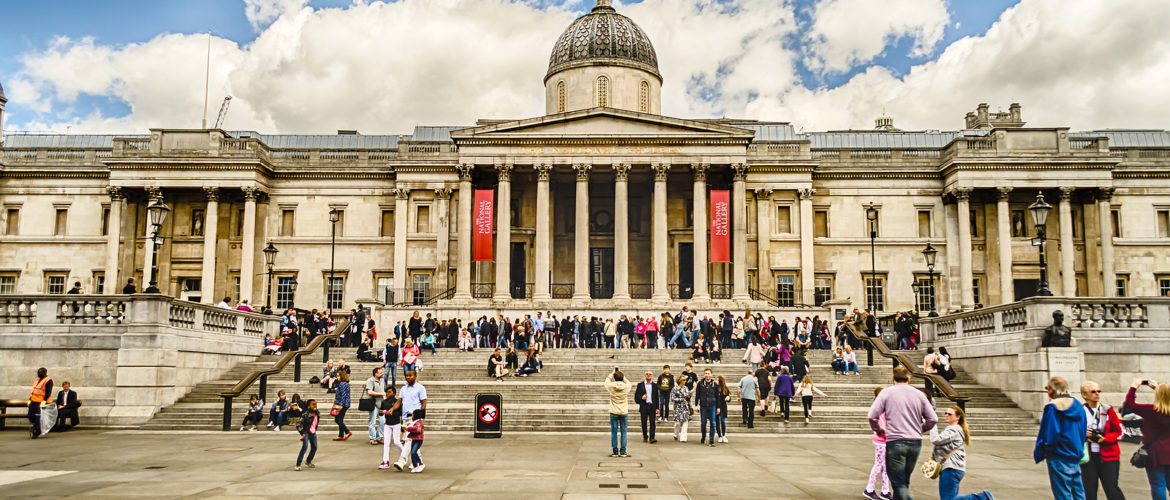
point(1104, 430)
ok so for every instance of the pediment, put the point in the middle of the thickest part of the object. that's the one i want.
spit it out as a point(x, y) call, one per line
point(602, 123)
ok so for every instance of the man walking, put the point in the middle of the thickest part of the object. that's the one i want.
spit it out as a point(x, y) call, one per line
point(619, 410)
point(748, 393)
point(908, 415)
point(412, 397)
point(1061, 440)
point(647, 397)
point(665, 385)
point(707, 395)
point(376, 389)
point(390, 362)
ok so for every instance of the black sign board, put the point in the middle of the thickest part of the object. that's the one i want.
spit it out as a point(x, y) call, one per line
point(489, 411)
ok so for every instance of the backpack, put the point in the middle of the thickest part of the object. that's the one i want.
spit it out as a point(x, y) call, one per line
point(304, 423)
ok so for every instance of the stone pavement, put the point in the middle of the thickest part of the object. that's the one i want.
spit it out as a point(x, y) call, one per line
point(568, 466)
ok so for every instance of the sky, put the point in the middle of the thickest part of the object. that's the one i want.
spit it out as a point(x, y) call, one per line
point(317, 66)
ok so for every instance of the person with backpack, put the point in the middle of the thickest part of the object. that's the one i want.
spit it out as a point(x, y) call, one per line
point(1102, 460)
point(307, 427)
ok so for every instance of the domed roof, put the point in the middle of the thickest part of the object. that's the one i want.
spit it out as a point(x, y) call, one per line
point(603, 37)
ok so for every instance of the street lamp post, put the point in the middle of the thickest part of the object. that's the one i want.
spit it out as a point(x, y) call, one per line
point(157, 212)
point(270, 252)
point(871, 214)
point(1039, 211)
point(334, 218)
point(930, 253)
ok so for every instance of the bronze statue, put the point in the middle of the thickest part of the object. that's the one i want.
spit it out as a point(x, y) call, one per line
point(1057, 335)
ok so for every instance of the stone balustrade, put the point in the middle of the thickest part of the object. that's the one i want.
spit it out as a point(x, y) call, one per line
point(116, 310)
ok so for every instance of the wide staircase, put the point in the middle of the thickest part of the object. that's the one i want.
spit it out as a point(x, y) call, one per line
point(568, 395)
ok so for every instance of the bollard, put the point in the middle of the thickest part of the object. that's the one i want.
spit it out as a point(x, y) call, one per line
point(297, 369)
point(869, 354)
point(263, 387)
point(227, 413)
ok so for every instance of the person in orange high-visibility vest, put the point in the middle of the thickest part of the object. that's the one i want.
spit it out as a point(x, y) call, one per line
point(42, 391)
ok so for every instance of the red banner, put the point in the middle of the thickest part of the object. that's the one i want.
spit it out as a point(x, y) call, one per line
point(720, 226)
point(481, 223)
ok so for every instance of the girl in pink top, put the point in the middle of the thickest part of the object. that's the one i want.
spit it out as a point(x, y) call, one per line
point(879, 461)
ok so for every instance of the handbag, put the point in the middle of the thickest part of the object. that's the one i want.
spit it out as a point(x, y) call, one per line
point(932, 469)
point(366, 404)
point(336, 410)
point(1142, 455)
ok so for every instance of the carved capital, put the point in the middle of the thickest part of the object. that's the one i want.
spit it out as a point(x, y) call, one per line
point(465, 170)
point(250, 193)
point(543, 170)
point(700, 171)
point(116, 193)
point(741, 170)
point(621, 172)
point(763, 194)
point(1105, 193)
point(1004, 192)
point(962, 194)
point(582, 170)
point(212, 194)
point(661, 170)
point(153, 193)
point(1066, 193)
point(806, 194)
point(400, 193)
point(443, 193)
point(504, 171)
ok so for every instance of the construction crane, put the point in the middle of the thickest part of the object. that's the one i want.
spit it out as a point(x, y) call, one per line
point(223, 109)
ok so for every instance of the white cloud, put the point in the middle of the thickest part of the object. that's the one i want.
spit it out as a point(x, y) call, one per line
point(845, 33)
point(260, 13)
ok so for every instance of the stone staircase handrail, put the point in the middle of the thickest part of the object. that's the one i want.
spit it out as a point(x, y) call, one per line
point(940, 383)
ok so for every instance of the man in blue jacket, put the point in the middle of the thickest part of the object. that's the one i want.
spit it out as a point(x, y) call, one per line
point(1061, 441)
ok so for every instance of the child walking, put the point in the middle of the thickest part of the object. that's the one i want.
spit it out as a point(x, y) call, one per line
point(308, 426)
point(415, 433)
point(392, 430)
point(806, 391)
point(879, 460)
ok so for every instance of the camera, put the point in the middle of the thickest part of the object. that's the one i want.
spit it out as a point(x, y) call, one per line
point(1094, 435)
point(1147, 384)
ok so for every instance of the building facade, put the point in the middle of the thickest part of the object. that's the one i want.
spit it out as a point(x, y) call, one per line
point(601, 202)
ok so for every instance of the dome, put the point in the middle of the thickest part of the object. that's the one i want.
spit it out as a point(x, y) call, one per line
point(603, 37)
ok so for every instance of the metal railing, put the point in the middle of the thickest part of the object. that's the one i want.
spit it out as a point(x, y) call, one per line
point(446, 294)
point(875, 343)
point(277, 367)
point(641, 291)
point(562, 290)
point(679, 292)
point(483, 290)
point(601, 291)
point(719, 290)
point(758, 295)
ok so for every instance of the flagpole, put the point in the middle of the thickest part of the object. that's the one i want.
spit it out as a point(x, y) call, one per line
point(206, 78)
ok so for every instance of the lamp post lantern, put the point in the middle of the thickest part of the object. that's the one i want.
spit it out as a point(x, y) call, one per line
point(1040, 210)
point(871, 214)
point(270, 252)
point(156, 213)
point(334, 218)
point(930, 253)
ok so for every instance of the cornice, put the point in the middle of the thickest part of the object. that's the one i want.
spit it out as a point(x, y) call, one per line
point(875, 174)
point(605, 141)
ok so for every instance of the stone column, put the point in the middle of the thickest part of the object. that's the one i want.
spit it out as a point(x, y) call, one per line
point(1003, 217)
point(463, 265)
point(402, 285)
point(806, 247)
point(1105, 214)
point(1068, 272)
point(963, 195)
point(543, 232)
point(948, 279)
point(210, 244)
point(581, 234)
point(739, 232)
point(621, 231)
point(764, 239)
point(443, 239)
point(658, 230)
point(248, 246)
point(503, 233)
point(699, 222)
point(153, 194)
point(113, 241)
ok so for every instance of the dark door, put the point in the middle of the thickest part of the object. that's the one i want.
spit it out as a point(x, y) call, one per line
point(1025, 288)
point(601, 273)
point(686, 270)
point(519, 272)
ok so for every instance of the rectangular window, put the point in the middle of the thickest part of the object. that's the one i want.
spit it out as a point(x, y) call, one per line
point(8, 283)
point(12, 225)
point(99, 282)
point(387, 223)
point(822, 290)
point(875, 293)
point(286, 221)
point(1164, 223)
point(105, 221)
point(784, 219)
point(975, 223)
point(422, 289)
point(284, 292)
point(386, 290)
point(976, 290)
point(1122, 285)
point(924, 294)
point(236, 288)
point(924, 223)
point(1018, 227)
point(60, 223)
point(240, 222)
point(422, 219)
point(786, 290)
point(1116, 216)
point(54, 283)
point(820, 223)
point(197, 219)
point(1163, 286)
point(335, 294)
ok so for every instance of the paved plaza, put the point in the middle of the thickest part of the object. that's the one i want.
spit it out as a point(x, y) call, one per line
point(120, 464)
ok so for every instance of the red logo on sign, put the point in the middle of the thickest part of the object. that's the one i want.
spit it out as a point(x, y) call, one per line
point(488, 413)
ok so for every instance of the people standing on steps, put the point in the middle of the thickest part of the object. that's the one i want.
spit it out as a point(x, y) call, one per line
point(376, 389)
point(647, 396)
point(764, 383)
point(908, 414)
point(785, 391)
point(691, 376)
point(1155, 430)
point(665, 387)
point(877, 473)
point(805, 390)
point(619, 390)
point(753, 355)
point(341, 400)
point(951, 454)
point(1061, 440)
point(929, 365)
point(1104, 459)
point(680, 397)
point(390, 357)
point(748, 393)
point(310, 420)
point(409, 356)
point(707, 404)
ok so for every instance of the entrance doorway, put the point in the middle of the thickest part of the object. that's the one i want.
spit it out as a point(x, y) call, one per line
point(601, 273)
point(518, 273)
point(1025, 288)
point(686, 270)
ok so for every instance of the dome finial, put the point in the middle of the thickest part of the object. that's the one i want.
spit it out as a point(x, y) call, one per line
point(603, 5)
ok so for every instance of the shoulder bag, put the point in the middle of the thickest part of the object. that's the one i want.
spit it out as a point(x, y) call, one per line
point(932, 469)
point(1142, 455)
point(366, 404)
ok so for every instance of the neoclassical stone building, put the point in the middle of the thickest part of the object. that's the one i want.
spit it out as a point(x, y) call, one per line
point(603, 203)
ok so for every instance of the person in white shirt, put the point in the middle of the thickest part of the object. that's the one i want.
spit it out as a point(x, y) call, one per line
point(226, 303)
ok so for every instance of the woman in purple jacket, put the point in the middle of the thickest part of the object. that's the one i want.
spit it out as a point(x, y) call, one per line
point(784, 390)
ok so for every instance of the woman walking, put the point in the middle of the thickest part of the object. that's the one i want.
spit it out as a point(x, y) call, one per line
point(806, 391)
point(721, 417)
point(878, 471)
point(680, 398)
point(784, 391)
point(341, 403)
point(1156, 425)
point(950, 453)
point(309, 437)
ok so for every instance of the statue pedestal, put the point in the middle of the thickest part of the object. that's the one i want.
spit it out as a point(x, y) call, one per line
point(1037, 367)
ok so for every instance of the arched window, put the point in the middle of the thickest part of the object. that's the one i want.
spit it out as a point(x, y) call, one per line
point(603, 91)
point(644, 97)
point(561, 96)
